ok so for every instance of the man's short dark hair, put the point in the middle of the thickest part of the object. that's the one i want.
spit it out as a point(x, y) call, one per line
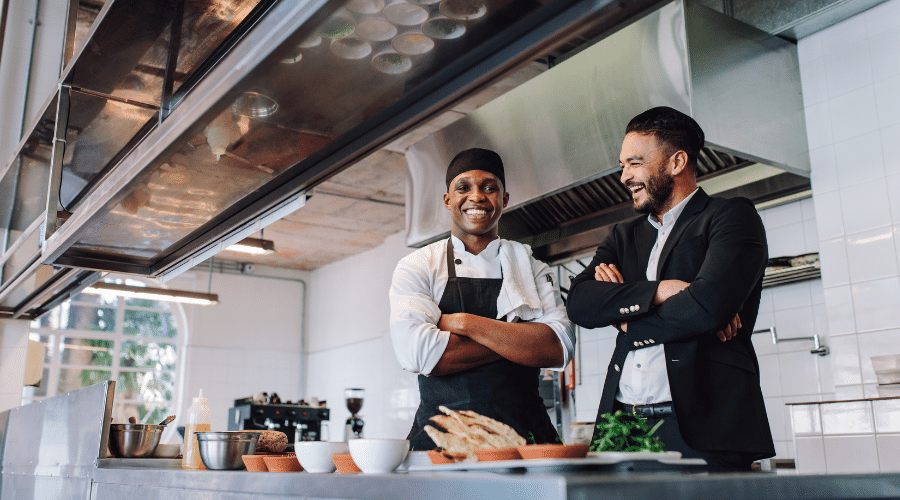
point(671, 127)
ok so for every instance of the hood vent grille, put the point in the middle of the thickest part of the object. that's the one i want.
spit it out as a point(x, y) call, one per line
point(584, 200)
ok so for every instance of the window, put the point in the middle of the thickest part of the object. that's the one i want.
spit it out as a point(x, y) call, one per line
point(92, 338)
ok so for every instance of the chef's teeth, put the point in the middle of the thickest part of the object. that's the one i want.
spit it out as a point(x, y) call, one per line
point(475, 211)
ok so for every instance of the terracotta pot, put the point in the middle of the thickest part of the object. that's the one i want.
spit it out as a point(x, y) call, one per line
point(540, 451)
point(282, 463)
point(497, 454)
point(437, 457)
point(254, 463)
point(344, 463)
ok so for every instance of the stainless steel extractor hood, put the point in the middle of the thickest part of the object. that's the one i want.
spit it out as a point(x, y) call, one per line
point(300, 96)
point(559, 133)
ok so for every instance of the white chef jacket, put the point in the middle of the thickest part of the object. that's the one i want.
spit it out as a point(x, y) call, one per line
point(644, 378)
point(418, 284)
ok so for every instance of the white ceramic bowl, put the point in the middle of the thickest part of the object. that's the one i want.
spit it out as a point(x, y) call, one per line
point(378, 456)
point(315, 456)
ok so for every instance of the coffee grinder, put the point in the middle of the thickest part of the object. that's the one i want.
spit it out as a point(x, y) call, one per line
point(353, 428)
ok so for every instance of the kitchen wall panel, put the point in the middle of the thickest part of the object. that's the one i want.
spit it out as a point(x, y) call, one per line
point(348, 342)
point(250, 342)
point(854, 137)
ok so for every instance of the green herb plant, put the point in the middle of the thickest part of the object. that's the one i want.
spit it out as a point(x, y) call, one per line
point(626, 432)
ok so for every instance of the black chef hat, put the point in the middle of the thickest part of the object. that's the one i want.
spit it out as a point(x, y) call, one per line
point(476, 159)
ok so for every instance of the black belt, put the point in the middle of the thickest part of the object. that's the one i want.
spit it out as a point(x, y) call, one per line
point(649, 411)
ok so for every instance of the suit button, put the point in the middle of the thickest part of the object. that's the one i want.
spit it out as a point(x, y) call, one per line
point(617, 368)
point(636, 343)
point(623, 310)
point(633, 308)
point(637, 307)
point(651, 341)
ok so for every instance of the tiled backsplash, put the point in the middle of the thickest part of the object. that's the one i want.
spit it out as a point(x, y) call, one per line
point(853, 125)
point(850, 75)
point(847, 437)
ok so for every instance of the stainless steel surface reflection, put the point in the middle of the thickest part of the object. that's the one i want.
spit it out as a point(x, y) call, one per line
point(50, 446)
point(564, 127)
point(223, 450)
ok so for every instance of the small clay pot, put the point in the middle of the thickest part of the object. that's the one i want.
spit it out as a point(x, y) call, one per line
point(437, 457)
point(254, 463)
point(344, 463)
point(541, 451)
point(497, 454)
point(282, 463)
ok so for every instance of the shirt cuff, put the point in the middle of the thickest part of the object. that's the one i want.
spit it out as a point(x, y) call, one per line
point(435, 353)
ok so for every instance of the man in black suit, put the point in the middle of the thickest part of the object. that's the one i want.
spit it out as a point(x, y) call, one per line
point(682, 284)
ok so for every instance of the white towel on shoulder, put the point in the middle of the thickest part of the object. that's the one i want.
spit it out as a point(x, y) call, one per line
point(519, 299)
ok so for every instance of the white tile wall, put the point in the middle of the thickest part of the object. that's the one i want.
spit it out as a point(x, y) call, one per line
point(248, 343)
point(853, 124)
point(810, 454)
point(348, 342)
point(850, 454)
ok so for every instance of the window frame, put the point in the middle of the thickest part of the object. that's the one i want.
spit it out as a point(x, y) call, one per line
point(117, 336)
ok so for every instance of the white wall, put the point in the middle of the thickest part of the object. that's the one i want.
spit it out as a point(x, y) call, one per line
point(851, 90)
point(348, 342)
point(251, 341)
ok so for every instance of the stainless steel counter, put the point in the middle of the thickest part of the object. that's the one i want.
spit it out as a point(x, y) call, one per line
point(115, 483)
point(50, 450)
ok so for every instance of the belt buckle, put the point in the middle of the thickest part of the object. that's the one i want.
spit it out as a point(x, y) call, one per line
point(635, 410)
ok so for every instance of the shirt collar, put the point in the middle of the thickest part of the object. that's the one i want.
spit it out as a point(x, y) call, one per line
point(490, 252)
point(672, 215)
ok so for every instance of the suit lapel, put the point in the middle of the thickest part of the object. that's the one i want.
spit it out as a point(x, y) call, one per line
point(695, 206)
point(644, 239)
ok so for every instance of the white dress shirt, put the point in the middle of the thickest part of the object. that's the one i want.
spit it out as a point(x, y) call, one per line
point(418, 284)
point(644, 378)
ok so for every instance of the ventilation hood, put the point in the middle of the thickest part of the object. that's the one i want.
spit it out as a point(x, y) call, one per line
point(296, 93)
point(559, 133)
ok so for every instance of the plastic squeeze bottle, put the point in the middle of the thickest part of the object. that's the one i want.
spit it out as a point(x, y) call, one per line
point(198, 421)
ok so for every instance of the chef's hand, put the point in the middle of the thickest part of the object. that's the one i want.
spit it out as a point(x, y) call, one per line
point(730, 330)
point(608, 273)
point(668, 288)
point(453, 323)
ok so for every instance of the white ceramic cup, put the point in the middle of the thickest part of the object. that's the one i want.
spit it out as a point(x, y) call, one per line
point(315, 456)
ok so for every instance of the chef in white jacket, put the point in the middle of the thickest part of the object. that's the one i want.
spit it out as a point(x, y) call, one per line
point(477, 316)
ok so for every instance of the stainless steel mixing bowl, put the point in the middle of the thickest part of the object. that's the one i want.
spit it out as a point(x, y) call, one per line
point(134, 440)
point(223, 450)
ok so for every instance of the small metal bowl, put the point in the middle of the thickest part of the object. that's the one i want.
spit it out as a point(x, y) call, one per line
point(223, 450)
point(134, 440)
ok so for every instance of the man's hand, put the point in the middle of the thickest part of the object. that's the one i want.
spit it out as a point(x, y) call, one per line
point(730, 330)
point(608, 273)
point(667, 289)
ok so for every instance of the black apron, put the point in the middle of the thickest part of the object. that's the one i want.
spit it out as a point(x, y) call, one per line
point(502, 390)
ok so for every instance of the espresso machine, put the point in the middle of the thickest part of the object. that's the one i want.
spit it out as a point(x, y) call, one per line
point(299, 421)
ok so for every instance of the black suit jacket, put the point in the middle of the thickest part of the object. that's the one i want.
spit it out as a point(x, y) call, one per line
point(719, 246)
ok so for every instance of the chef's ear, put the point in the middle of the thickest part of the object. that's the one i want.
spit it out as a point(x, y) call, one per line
point(447, 200)
point(505, 198)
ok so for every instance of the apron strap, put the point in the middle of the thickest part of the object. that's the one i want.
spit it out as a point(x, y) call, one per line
point(451, 264)
point(451, 274)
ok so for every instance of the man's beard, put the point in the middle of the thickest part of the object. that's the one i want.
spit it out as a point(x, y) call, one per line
point(659, 189)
